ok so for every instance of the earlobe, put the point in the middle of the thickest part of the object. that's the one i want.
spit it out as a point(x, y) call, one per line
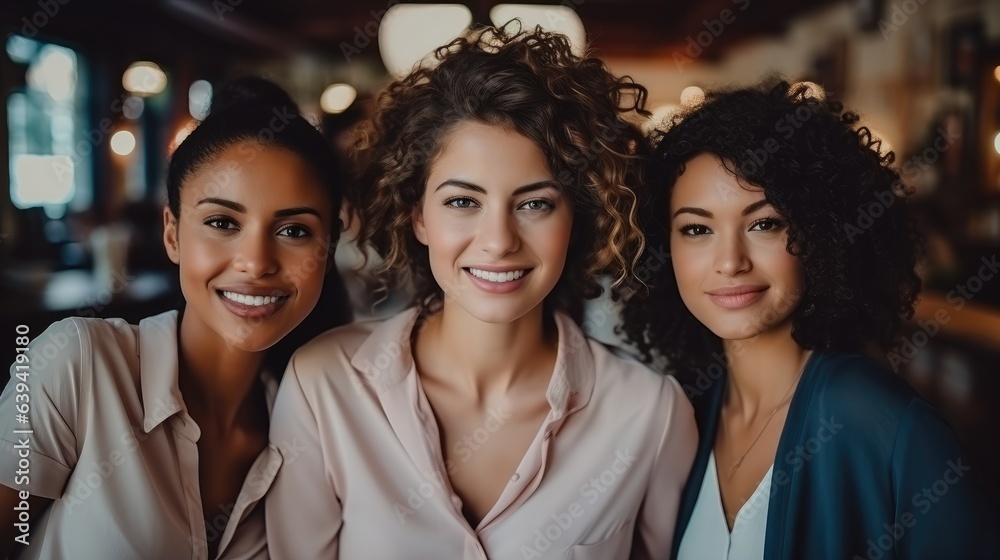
point(170, 242)
point(418, 224)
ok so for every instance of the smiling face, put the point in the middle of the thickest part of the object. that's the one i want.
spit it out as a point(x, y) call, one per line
point(495, 223)
point(729, 251)
point(251, 244)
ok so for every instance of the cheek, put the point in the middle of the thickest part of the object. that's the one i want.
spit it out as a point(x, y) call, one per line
point(200, 258)
point(549, 237)
point(689, 265)
point(305, 267)
point(447, 235)
point(785, 268)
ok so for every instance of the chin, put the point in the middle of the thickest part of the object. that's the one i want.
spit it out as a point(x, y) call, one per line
point(249, 338)
point(496, 312)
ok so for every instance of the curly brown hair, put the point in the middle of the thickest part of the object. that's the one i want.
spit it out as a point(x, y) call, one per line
point(822, 171)
point(531, 82)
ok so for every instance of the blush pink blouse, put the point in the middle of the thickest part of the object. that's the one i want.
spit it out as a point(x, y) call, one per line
point(363, 474)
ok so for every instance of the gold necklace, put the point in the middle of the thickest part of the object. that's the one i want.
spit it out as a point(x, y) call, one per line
point(732, 469)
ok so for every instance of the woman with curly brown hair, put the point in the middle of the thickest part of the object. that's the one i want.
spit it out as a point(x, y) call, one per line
point(772, 291)
point(482, 423)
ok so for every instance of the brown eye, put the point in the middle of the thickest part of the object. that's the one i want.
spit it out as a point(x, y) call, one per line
point(767, 224)
point(695, 230)
point(217, 222)
point(295, 232)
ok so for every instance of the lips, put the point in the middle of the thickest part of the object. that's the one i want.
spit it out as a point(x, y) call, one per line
point(501, 276)
point(253, 302)
point(498, 281)
point(736, 297)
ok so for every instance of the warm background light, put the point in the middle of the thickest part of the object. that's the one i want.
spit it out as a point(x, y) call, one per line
point(692, 96)
point(199, 99)
point(561, 19)
point(337, 98)
point(123, 142)
point(144, 79)
point(410, 32)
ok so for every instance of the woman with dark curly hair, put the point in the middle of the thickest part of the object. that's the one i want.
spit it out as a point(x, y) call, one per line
point(482, 423)
point(772, 291)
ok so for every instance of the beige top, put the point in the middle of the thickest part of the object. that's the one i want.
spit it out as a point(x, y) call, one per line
point(114, 446)
point(602, 477)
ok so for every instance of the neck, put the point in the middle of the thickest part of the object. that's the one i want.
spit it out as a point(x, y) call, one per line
point(487, 359)
point(762, 371)
point(216, 379)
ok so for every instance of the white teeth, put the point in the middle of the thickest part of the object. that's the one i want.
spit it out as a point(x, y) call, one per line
point(255, 301)
point(498, 277)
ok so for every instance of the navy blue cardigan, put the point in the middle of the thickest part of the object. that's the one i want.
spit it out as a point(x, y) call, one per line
point(865, 469)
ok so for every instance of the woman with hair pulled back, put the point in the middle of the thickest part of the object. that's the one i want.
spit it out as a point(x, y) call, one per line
point(772, 308)
point(150, 440)
point(482, 423)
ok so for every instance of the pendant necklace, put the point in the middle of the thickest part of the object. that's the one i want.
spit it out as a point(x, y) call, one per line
point(784, 399)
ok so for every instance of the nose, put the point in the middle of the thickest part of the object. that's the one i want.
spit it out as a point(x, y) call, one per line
point(499, 234)
point(255, 256)
point(732, 257)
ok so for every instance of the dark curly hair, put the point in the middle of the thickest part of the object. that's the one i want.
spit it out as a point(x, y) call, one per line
point(829, 178)
point(571, 107)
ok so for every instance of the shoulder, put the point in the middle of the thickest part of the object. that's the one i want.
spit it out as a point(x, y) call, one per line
point(78, 340)
point(338, 343)
point(854, 382)
point(69, 360)
point(856, 394)
point(343, 357)
point(621, 374)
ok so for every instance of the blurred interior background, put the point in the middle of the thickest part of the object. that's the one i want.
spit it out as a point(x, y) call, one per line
point(97, 94)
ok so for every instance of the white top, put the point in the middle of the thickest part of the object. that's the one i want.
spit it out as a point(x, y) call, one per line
point(601, 480)
point(114, 446)
point(707, 536)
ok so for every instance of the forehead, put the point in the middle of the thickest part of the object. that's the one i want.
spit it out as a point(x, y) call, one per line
point(249, 172)
point(706, 183)
point(490, 156)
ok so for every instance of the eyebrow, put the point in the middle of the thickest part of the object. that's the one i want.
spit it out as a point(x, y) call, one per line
point(473, 187)
point(237, 207)
point(706, 214)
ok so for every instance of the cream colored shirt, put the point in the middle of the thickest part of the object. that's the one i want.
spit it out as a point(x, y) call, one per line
point(601, 480)
point(114, 446)
point(708, 537)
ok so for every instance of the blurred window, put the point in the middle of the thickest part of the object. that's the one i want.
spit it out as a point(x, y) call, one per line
point(50, 148)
